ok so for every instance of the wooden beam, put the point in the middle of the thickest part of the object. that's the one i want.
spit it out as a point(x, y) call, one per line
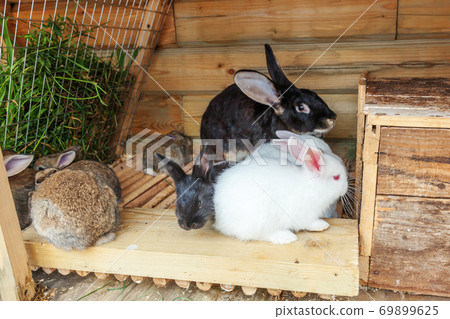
point(369, 185)
point(322, 262)
point(186, 71)
point(16, 282)
point(361, 124)
point(259, 21)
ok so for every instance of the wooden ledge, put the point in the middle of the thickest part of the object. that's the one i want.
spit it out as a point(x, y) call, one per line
point(149, 245)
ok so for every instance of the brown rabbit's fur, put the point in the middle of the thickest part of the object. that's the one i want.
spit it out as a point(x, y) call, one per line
point(72, 210)
point(102, 173)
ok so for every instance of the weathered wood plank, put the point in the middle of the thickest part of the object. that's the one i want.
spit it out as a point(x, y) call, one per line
point(210, 70)
point(414, 162)
point(206, 256)
point(409, 97)
point(411, 251)
point(262, 21)
point(16, 282)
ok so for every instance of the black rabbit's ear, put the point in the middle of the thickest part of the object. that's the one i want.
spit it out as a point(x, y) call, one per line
point(275, 70)
point(258, 87)
point(202, 164)
point(174, 170)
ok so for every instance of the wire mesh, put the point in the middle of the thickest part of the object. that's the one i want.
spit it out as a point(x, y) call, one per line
point(70, 70)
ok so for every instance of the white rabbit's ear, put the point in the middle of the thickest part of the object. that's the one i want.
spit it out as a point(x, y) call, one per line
point(17, 163)
point(310, 157)
point(259, 88)
point(65, 159)
point(286, 134)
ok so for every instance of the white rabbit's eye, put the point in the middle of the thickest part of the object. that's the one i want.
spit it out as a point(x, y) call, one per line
point(336, 177)
point(302, 108)
point(200, 204)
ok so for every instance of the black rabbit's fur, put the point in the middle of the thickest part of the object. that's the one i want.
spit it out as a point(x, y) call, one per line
point(234, 115)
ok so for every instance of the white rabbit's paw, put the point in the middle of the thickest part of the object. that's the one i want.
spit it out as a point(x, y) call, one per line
point(282, 237)
point(318, 225)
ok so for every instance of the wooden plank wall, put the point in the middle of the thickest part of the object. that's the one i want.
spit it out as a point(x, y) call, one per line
point(205, 42)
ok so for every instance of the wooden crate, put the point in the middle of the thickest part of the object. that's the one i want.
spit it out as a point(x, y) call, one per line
point(403, 169)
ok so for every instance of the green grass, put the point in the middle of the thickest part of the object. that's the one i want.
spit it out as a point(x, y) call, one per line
point(58, 92)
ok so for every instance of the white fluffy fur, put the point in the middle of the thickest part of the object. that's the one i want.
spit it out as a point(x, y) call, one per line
point(269, 203)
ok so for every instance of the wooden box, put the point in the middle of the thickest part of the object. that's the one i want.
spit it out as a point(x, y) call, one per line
point(403, 170)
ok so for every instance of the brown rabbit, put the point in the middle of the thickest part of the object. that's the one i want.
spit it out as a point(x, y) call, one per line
point(177, 148)
point(71, 209)
point(102, 173)
point(21, 181)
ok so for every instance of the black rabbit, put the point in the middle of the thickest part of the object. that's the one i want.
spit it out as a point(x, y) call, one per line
point(255, 107)
point(194, 192)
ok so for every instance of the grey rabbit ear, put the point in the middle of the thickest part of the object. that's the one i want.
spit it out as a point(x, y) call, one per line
point(202, 165)
point(17, 163)
point(258, 87)
point(65, 158)
point(275, 70)
point(174, 170)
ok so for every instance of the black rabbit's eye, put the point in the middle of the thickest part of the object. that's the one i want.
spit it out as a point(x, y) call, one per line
point(200, 204)
point(41, 168)
point(302, 108)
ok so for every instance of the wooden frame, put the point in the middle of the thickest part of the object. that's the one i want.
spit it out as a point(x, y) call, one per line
point(16, 282)
point(372, 118)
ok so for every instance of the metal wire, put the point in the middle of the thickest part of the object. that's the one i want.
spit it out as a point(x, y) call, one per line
point(30, 117)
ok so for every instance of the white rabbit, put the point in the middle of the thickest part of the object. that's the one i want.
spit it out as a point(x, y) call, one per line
point(314, 142)
point(270, 202)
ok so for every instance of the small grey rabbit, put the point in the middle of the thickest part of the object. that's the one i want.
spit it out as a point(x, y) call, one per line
point(21, 182)
point(177, 147)
point(195, 192)
point(74, 208)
